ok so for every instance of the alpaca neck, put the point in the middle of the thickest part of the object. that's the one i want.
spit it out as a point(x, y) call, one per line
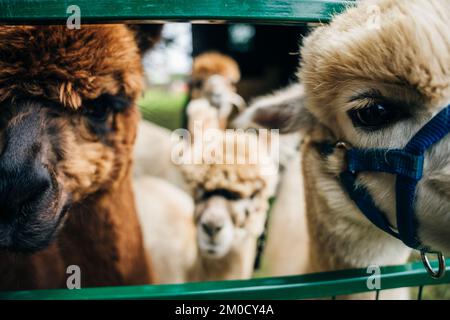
point(288, 225)
point(341, 237)
point(102, 235)
point(237, 264)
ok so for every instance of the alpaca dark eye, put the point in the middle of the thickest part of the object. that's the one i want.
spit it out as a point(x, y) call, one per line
point(373, 116)
point(99, 109)
point(196, 84)
point(227, 194)
point(97, 113)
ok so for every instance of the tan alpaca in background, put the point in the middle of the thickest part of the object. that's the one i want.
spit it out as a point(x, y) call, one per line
point(213, 234)
point(214, 100)
point(287, 224)
point(287, 230)
point(352, 67)
point(231, 205)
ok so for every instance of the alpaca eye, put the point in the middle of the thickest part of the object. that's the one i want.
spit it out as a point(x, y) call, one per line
point(373, 116)
point(97, 113)
point(196, 84)
point(99, 109)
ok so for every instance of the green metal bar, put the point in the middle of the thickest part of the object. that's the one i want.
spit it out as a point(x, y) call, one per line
point(263, 11)
point(293, 287)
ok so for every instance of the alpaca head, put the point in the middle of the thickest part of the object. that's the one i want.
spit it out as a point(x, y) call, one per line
point(68, 123)
point(214, 78)
point(231, 199)
point(211, 64)
point(372, 78)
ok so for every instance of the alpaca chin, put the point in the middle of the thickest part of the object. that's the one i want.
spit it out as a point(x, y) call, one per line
point(215, 249)
point(37, 226)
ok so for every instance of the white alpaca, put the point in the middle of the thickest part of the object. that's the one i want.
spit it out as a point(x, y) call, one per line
point(213, 237)
point(231, 204)
point(287, 229)
point(287, 232)
point(371, 87)
point(166, 215)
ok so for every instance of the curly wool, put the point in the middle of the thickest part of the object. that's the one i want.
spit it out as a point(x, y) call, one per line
point(62, 70)
point(240, 175)
point(210, 63)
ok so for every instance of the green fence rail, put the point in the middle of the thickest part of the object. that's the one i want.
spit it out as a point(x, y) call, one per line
point(309, 286)
point(319, 285)
point(262, 11)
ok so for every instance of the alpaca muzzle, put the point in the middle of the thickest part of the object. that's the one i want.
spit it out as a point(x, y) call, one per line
point(407, 165)
point(28, 194)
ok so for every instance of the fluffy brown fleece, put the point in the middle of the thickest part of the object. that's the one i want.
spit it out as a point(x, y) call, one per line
point(69, 74)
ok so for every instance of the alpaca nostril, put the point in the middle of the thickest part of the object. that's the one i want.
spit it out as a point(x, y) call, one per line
point(22, 191)
point(208, 229)
point(211, 229)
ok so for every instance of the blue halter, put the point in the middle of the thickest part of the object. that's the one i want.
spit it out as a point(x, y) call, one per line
point(407, 165)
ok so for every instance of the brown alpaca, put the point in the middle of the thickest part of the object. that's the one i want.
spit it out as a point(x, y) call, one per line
point(68, 125)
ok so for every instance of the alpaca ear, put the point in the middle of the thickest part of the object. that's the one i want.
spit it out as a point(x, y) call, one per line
point(284, 110)
point(147, 35)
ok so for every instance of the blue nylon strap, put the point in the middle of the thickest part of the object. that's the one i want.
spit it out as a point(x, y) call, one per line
point(365, 203)
point(432, 132)
point(407, 164)
point(393, 161)
point(359, 194)
point(406, 220)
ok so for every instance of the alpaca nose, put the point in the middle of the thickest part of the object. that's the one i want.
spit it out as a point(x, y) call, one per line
point(23, 178)
point(217, 98)
point(211, 229)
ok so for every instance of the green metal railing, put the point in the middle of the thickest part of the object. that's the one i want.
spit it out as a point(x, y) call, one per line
point(318, 285)
point(309, 286)
point(266, 11)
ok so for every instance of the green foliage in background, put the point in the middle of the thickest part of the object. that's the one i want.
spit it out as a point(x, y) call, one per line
point(163, 108)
